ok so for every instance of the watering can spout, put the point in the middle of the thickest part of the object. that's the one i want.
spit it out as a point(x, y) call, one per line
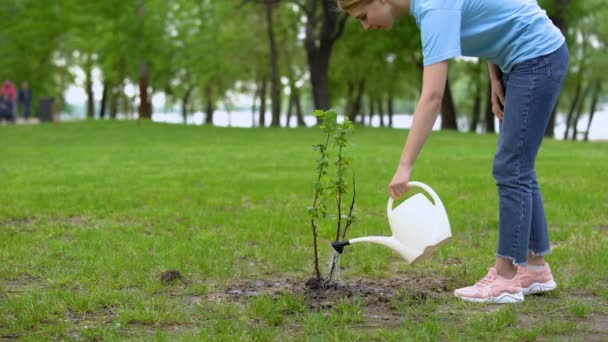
point(418, 225)
point(408, 253)
point(339, 245)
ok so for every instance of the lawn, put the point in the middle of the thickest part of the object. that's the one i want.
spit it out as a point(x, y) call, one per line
point(93, 214)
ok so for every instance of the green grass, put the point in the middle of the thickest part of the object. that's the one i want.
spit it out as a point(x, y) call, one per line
point(92, 213)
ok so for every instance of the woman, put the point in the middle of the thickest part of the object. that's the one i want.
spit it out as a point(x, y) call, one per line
point(521, 43)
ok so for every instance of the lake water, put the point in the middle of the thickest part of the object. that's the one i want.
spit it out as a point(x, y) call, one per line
point(597, 132)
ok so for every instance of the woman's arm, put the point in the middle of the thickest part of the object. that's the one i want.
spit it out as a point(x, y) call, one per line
point(429, 105)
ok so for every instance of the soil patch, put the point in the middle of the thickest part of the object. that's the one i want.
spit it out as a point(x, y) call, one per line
point(319, 291)
point(377, 295)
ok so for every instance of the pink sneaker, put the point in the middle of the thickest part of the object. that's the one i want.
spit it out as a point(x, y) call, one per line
point(536, 281)
point(493, 289)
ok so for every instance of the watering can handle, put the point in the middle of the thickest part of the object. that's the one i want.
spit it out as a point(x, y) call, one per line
point(436, 200)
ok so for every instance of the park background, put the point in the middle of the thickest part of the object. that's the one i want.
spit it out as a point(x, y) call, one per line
point(98, 206)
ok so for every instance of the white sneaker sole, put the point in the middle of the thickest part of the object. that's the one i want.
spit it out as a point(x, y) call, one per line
point(539, 288)
point(504, 298)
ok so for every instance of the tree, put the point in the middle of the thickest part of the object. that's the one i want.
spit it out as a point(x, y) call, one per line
point(324, 25)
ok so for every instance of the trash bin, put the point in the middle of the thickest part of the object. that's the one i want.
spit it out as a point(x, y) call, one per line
point(45, 111)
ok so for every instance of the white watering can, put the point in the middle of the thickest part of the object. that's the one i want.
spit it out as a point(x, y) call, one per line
point(418, 226)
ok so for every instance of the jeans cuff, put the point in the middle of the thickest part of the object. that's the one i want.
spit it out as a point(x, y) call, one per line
point(543, 253)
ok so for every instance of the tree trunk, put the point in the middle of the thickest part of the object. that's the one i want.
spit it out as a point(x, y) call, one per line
point(275, 92)
point(489, 115)
point(372, 110)
point(596, 94)
point(390, 107)
point(144, 83)
point(89, 87)
point(210, 105)
point(321, 35)
point(290, 105)
point(256, 94)
point(144, 70)
point(350, 101)
point(358, 106)
point(262, 116)
point(579, 111)
point(294, 90)
point(319, 77)
point(299, 112)
point(185, 103)
point(114, 101)
point(476, 111)
point(448, 110)
point(477, 100)
point(560, 21)
point(380, 106)
point(104, 99)
point(577, 95)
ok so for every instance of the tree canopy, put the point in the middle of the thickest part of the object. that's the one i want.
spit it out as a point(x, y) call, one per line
point(295, 54)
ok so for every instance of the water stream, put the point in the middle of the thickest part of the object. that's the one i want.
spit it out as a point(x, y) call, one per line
point(334, 267)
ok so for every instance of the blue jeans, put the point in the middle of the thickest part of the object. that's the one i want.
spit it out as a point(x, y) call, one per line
point(531, 91)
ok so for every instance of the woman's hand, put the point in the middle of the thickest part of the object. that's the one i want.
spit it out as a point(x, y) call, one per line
point(398, 185)
point(498, 93)
point(498, 99)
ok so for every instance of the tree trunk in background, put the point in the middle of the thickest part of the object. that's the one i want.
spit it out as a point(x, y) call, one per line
point(256, 95)
point(577, 95)
point(104, 99)
point(448, 110)
point(88, 70)
point(596, 95)
point(477, 100)
point(144, 99)
point(358, 104)
point(210, 105)
point(350, 101)
point(294, 90)
point(295, 104)
point(299, 112)
point(560, 21)
point(290, 105)
point(115, 93)
point(118, 85)
point(579, 111)
point(275, 90)
point(476, 108)
point(370, 100)
point(390, 101)
point(321, 35)
point(489, 115)
point(145, 112)
point(262, 116)
point(381, 111)
point(185, 103)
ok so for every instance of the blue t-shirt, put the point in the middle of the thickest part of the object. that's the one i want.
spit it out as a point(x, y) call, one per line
point(505, 32)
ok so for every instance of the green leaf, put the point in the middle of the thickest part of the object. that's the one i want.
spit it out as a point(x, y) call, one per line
point(318, 113)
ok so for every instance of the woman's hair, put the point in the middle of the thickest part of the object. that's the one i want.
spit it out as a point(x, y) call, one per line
point(347, 5)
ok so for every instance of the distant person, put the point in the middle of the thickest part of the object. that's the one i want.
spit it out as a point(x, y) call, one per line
point(25, 99)
point(6, 109)
point(9, 92)
point(528, 63)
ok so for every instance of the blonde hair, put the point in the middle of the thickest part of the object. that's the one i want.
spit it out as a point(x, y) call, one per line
point(347, 5)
